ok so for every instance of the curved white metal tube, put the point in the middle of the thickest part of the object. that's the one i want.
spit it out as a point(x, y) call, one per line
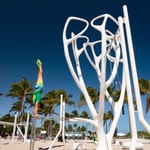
point(108, 41)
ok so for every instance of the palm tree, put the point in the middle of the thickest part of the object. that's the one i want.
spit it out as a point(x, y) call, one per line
point(147, 103)
point(84, 114)
point(66, 97)
point(115, 94)
point(7, 118)
point(108, 116)
point(51, 100)
point(20, 90)
point(67, 116)
point(69, 129)
point(144, 86)
point(94, 95)
point(74, 114)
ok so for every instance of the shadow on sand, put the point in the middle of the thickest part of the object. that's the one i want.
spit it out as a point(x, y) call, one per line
point(40, 148)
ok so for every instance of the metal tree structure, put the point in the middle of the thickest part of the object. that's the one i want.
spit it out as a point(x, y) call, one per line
point(115, 48)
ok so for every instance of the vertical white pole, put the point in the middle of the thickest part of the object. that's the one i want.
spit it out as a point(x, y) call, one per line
point(26, 128)
point(134, 71)
point(128, 87)
point(15, 125)
point(61, 111)
point(63, 122)
point(102, 142)
point(60, 125)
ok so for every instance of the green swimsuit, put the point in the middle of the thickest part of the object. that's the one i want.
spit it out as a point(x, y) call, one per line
point(37, 95)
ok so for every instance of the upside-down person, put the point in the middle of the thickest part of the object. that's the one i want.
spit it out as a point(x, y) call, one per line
point(38, 88)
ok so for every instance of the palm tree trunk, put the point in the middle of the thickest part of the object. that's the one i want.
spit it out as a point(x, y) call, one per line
point(50, 129)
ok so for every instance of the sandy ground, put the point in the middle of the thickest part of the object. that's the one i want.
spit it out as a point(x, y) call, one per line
point(6, 144)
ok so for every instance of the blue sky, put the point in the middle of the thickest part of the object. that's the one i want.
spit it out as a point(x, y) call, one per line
point(33, 29)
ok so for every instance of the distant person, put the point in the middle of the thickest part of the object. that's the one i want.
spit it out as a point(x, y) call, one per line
point(95, 138)
point(3, 132)
point(38, 89)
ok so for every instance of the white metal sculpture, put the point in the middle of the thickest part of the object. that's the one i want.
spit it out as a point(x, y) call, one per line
point(111, 42)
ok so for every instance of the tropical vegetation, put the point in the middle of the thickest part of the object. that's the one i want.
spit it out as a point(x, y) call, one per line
point(22, 92)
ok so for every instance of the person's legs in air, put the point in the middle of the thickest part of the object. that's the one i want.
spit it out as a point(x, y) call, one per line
point(38, 88)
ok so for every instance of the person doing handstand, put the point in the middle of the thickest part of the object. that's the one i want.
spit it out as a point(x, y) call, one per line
point(38, 88)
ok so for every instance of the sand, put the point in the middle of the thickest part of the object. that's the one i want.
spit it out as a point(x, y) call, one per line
point(6, 144)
